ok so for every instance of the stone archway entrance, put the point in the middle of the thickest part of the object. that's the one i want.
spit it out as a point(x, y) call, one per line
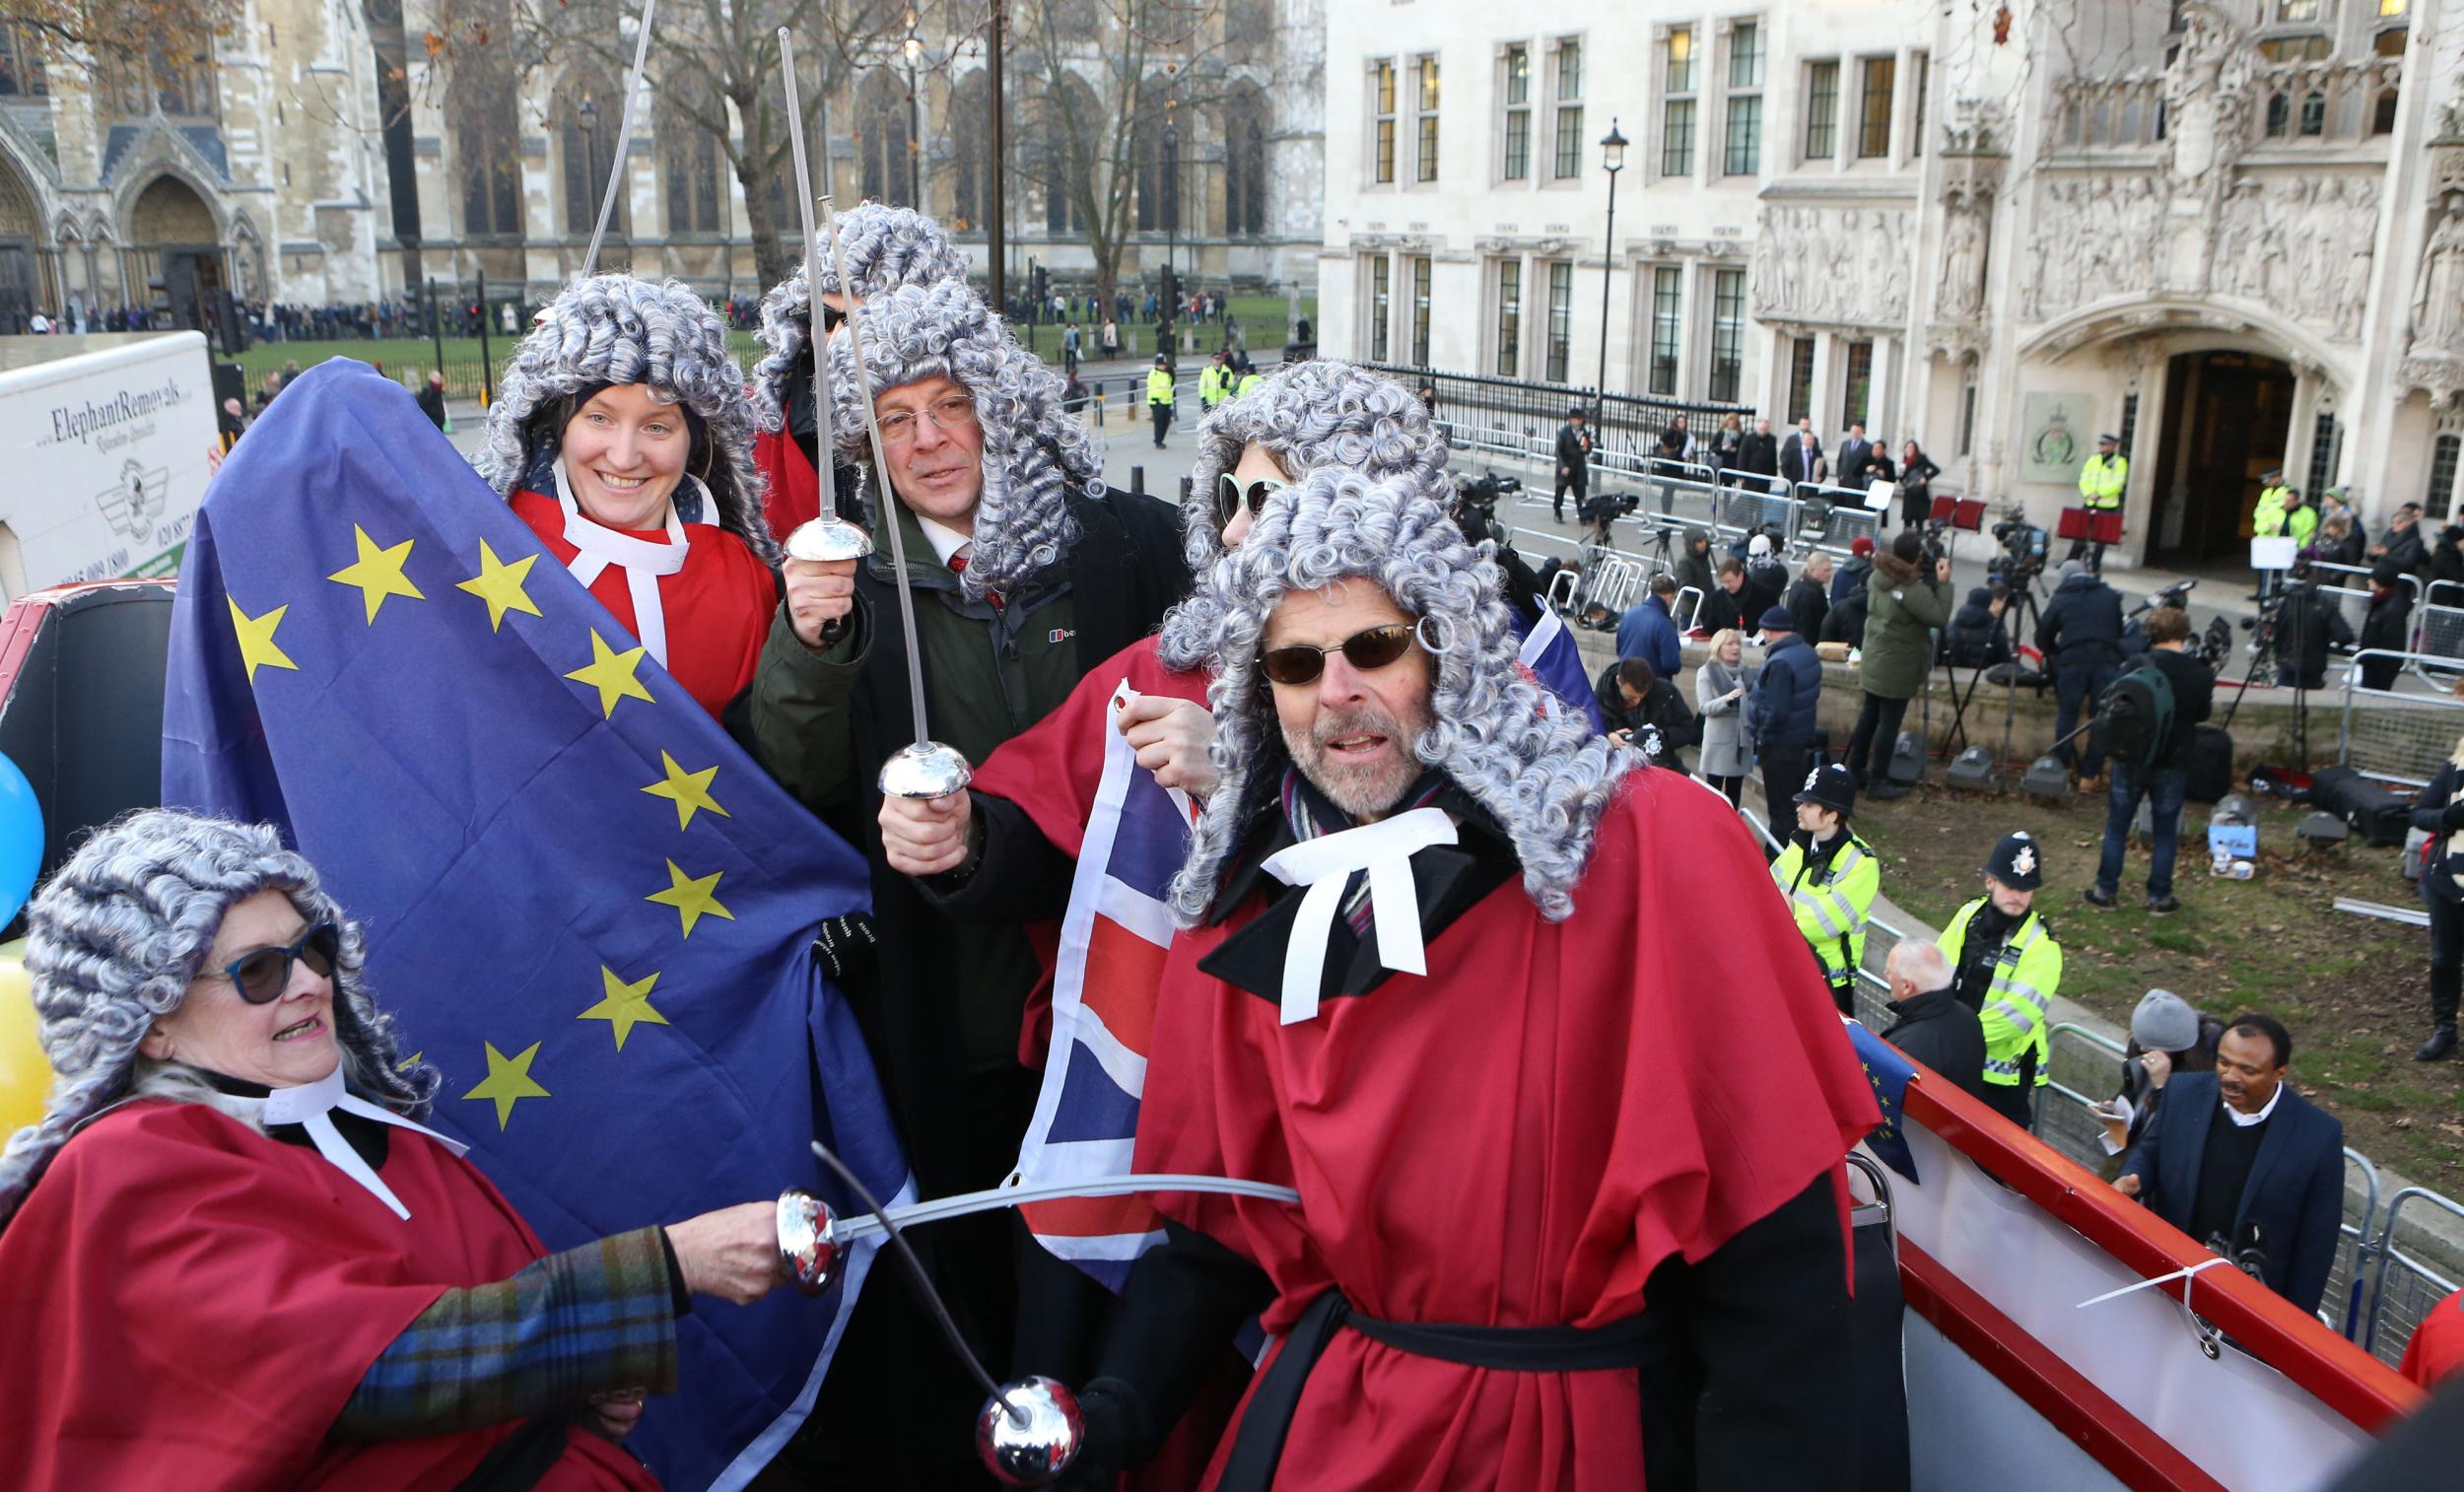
point(2229, 418)
point(176, 253)
point(20, 234)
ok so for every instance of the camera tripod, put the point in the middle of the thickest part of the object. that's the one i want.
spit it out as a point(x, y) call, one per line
point(2267, 647)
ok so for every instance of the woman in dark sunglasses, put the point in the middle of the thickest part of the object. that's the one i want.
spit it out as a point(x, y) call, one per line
point(231, 1201)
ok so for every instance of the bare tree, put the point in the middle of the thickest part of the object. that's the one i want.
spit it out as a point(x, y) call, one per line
point(1105, 75)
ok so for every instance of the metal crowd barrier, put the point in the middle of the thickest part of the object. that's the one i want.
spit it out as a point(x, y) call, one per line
point(2404, 738)
point(2390, 1319)
point(2439, 630)
point(2348, 1276)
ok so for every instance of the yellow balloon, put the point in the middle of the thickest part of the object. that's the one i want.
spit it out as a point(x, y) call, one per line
point(24, 1074)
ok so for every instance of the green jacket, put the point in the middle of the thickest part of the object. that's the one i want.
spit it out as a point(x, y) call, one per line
point(1901, 612)
point(2015, 1010)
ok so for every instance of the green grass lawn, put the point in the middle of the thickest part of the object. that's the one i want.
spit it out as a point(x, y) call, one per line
point(407, 360)
point(2354, 990)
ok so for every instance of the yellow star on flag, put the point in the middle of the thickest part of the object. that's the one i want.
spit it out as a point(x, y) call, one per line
point(611, 673)
point(500, 585)
point(624, 1004)
point(378, 572)
point(691, 896)
point(688, 791)
point(258, 648)
point(509, 1081)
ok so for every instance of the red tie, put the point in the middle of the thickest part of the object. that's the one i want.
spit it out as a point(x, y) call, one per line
point(958, 566)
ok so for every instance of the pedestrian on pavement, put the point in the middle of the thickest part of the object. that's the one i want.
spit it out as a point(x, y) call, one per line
point(1927, 1020)
point(1906, 598)
point(2164, 778)
point(1787, 701)
point(1721, 692)
point(432, 398)
point(1159, 398)
point(1917, 472)
point(1856, 457)
point(2079, 634)
point(2006, 967)
point(1831, 878)
point(1112, 339)
point(2387, 627)
point(1759, 453)
point(1574, 457)
point(1800, 454)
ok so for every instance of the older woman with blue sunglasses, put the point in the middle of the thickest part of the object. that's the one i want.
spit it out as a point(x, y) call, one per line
point(231, 1254)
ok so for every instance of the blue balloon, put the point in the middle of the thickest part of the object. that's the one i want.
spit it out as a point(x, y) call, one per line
point(20, 839)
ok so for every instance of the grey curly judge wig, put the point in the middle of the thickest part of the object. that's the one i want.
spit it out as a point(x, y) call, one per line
point(1306, 415)
point(113, 940)
point(1536, 767)
point(614, 329)
point(887, 247)
point(1032, 450)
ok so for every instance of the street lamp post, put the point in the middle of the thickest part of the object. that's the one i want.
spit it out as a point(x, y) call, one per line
point(913, 47)
point(1611, 156)
point(1172, 227)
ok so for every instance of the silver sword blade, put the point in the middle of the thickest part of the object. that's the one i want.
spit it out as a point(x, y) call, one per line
point(624, 138)
point(817, 342)
point(885, 495)
point(965, 1203)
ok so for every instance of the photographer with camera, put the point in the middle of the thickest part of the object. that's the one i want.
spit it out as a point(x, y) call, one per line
point(2080, 637)
point(2302, 624)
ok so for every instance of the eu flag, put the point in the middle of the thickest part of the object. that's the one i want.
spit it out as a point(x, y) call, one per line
point(1888, 1073)
point(585, 904)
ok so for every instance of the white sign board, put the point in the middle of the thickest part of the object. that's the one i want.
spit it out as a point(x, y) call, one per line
point(1877, 496)
point(2273, 554)
point(108, 441)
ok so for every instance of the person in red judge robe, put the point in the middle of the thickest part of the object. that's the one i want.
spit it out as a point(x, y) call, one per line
point(1564, 1221)
point(231, 1257)
point(1001, 852)
point(887, 247)
point(624, 437)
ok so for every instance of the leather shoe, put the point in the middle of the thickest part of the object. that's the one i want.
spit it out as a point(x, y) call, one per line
point(2102, 901)
point(2441, 1042)
point(2164, 906)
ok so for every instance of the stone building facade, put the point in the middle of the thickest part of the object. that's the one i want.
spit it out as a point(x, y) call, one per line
point(507, 168)
point(247, 161)
point(2232, 233)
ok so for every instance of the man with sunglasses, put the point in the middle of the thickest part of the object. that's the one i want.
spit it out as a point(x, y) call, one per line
point(887, 247)
point(1024, 572)
point(1419, 905)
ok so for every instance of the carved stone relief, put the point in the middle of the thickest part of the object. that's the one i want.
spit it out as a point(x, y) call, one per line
point(2438, 290)
point(2300, 245)
point(2095, 238)
point(1832, 266)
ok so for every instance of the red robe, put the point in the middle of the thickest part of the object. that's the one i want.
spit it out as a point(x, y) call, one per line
point(1513, 1141)
point(191, 1304)
point(794, 494)
point(719, 607)
point(1050, 770)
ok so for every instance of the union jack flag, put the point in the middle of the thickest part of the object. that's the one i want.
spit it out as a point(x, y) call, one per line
point(1113, 940)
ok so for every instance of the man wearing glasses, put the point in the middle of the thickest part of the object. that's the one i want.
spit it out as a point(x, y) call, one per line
point(887, 247)
point(1025, 573)
point(1438, 969)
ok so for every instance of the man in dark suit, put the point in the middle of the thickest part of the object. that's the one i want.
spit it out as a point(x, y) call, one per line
point(1759, 452)
point(2247, 1166)
point(1574, 455)
point(1800, 454)
point(1856, 456)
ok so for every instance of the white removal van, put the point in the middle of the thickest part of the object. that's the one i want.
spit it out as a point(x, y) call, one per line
point(106, 438)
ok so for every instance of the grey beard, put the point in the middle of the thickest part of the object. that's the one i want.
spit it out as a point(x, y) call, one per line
point(1365, 793)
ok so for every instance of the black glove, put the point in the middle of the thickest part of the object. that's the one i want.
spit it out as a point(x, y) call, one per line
point(2453, 818)
point(1120, 1435)
point(845, 949)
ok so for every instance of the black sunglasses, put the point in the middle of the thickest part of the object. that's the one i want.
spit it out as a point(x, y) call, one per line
point(1300, 663)
point(261, 975)
point(831, 316)
point(1230, 495)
